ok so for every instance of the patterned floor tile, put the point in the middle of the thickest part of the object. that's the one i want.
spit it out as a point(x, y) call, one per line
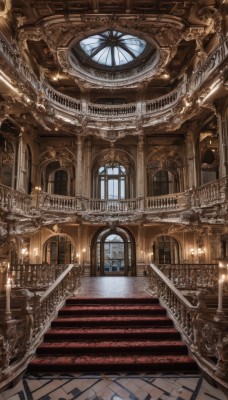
point(113, 387)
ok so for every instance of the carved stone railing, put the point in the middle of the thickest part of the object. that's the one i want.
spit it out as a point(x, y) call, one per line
point(213, 192)
point(12, 57)
point(98, 205)
point(6, 196)
point(206, 195)
point(125, 110)
point(62, 100)
point(166, 202)
point(77, 108)
point(57, 202)
point(22, 329)
point(35, 276)
point(165, 102)
point(209, 66)
point(15, 201)
point(205, 333)
point(191, 276)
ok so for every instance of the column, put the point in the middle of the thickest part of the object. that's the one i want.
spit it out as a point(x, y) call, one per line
point(20, 165)
point(140, 172)
point(79, 182)
point(222, 120)
point(87, 169)
point(192, 167)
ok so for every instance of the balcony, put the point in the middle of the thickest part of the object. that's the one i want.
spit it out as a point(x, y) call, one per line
point(204, 197)
point(41, 96)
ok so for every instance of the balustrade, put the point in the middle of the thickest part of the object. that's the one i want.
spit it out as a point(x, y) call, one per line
point(209, 66)
point(206, 195)
point(61, 99)
point(60, 203)
point(112, 111)
point(34, 276)
point(191, 276)
point(212, 192)
point(166, 202)
point(205, 334)
point(31, 315)
point(74, 107)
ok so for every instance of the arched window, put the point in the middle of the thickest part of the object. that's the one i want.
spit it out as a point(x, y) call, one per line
point(58, 250)
point(208, 157)
point(162, 183)
point(60, 182)
point(166, 250)
point(112, 182)
point(209, 166)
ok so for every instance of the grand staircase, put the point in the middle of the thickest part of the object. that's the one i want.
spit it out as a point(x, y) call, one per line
point(112, 335)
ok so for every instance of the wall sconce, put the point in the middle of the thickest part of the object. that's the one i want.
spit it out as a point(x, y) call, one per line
point(83, 256)
point(24, 253)
point(201, 251)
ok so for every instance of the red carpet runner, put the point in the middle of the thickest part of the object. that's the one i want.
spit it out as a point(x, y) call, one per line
point(112, 335)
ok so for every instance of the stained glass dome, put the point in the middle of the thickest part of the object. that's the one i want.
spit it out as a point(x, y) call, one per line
point(112, 48)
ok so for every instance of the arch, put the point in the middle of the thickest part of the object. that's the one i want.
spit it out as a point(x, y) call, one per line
point(162, 159)
point(209, 155)
point(162, 182)
point(113, 252)
point(116, 160)
point(58, 249)
point(58, 179)
point(166, 249)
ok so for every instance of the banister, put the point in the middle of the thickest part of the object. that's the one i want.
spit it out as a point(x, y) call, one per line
point(78, 108)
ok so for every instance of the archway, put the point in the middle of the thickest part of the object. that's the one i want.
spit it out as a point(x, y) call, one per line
point(166, 250)
point(113, 253)
point(58, 249)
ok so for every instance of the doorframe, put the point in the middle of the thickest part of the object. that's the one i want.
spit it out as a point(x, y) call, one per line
point(129, 269)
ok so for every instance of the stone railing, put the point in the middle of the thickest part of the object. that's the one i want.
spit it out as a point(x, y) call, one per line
point(165, 102)
point(166, 202)
point(34, 276)
point(212, 192)
point(57, 202)
point(205, 332)
point(62, 100)
point(127, 205)
point(125, 110)
point(209, 66)
point(77, 108)
point(191, 276)
point(12, 57)
point(30, 314)
point(15, 201)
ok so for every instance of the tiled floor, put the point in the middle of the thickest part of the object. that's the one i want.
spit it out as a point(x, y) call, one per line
point(113, 387)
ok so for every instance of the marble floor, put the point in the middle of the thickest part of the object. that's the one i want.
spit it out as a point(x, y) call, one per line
point(113, 387)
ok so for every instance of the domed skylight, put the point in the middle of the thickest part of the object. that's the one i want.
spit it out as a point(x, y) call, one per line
point(112, 48)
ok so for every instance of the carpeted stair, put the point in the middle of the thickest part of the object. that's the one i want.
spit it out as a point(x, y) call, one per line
point(111, 335)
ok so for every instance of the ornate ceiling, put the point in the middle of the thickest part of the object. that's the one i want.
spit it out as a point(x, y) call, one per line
point(183, 32)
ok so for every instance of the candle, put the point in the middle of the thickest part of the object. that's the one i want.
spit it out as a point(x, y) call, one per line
point(8, 290)
point(220, 292)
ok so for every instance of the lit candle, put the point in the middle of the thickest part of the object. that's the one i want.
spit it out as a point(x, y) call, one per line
point(8, 290)
point(7, 271)
point(220, 292)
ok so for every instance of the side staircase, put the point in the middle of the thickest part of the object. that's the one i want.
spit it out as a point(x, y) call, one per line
point(112, 335)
